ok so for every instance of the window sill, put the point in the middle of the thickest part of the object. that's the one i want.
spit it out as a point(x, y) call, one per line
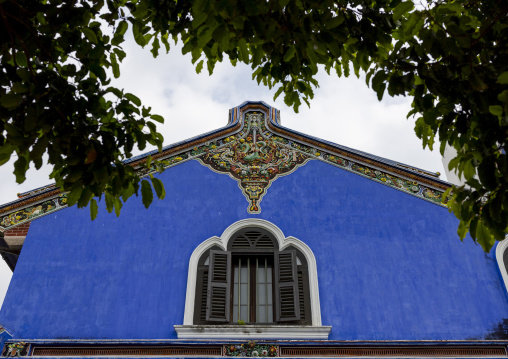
point(252, 332)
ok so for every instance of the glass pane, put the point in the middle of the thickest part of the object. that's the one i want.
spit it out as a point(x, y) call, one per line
point(244, 273)
point(243, 293)
point(262, 314)
point(269, 295)
point(243, 313)
point(269, 274)
point(262, 294)
point(235, 276)
point(235, 314)
point(270, 314)
point(235, 294)
point(207, 261)
point(261, 272)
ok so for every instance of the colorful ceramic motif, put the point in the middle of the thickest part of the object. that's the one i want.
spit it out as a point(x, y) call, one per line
point(251, 349)
point(16, 349)
point(34, 211)
point(253, 158)
point(405, 185)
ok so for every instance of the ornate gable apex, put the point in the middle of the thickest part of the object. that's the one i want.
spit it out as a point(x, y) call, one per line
point(254, 149)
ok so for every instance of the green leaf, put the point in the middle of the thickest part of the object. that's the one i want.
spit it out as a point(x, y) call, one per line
point(21, 59)
point(278, 92)
point(5, 157)
point(469, 170)
point(90, 35)
point(454, 162)
point(135, 100)
point(199, 66)
point(402, 9)
point(155, 47)
point(86, 195)
point(74, 194)
point(20, 167)
point(159, 188)
point(109, 202)
point(138, 33)
point(199, 19)
point(146, 193)
point(496, 110)
point(244, 53)
point(18, 87)
point(115, 66)
point(463, 229)
point(484, 236)
point(122, 28)
point(10, 101)
point(290, 53)
point(503, 78)
point(157, 118)
point(335, 21)
point(117, 203)
point(94, 209)
point(445, 194)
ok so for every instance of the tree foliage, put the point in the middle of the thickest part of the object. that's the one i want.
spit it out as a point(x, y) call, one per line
point(58, 55)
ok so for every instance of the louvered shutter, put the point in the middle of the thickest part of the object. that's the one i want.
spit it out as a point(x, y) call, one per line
point(219, 286)
point(286, 287)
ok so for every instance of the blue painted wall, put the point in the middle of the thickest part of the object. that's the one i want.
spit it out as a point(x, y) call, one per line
point(390, 265)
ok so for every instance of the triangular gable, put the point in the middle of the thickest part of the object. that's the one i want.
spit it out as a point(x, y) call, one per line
point(254, 149)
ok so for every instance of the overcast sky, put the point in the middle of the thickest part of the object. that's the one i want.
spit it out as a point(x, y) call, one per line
point(344, 111)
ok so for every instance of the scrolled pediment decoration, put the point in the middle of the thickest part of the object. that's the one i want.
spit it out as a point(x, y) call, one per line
point(255, 158)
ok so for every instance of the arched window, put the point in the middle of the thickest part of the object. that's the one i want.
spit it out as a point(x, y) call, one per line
point(250, 280)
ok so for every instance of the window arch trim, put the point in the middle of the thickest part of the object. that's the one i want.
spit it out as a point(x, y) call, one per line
point(500, 249)
point(222, 242)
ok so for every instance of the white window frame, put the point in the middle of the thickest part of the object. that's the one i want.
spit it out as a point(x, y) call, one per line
point(500, 249)
point(191, 331)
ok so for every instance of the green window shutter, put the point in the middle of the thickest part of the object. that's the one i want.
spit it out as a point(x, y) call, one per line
point(286, 287)
point(219, 287)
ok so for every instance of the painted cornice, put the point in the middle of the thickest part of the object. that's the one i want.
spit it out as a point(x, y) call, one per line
point(413, 181)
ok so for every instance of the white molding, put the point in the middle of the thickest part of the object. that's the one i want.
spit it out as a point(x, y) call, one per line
point(188, 316)
point(313, 278)
point(222, 242)
point(501, 247)
point(253, 222)
point(252, 332)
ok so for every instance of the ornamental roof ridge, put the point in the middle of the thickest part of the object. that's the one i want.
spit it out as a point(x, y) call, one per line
point(294, 148)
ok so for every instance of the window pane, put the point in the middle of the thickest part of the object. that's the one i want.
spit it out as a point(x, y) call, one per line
point(235, 294)
point(243, 313)
point(244, 272)
point(261, 271)
point(243, 294)
point(262, 294)
point(262, 314)
point(270, 314)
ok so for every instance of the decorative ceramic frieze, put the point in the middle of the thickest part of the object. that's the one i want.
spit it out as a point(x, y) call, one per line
point(16, 349)
point(250, 349)
point(254, 156)
point(411, 187)
point(36, 210)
